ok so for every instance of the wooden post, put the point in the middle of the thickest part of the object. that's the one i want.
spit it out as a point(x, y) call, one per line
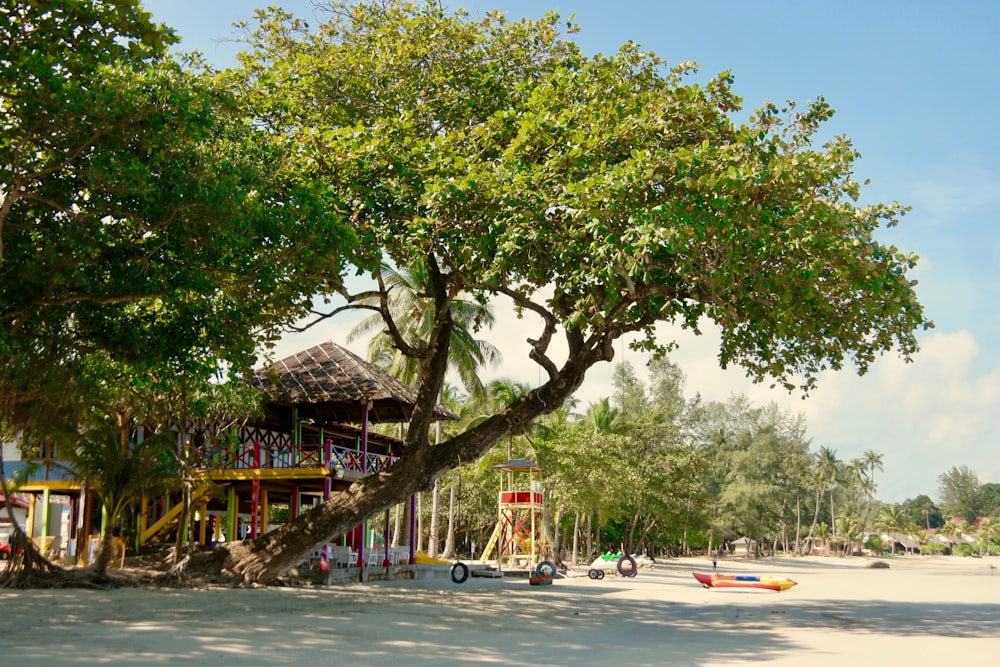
point(413, 528)
point(203, 522)
point(233, 511)
point(293, 504)
point(265, 510)
point(360, 543)
point(46, 496)
point(143, 514)
point(385, 540)
point(30, 528)
point(324, 553)
point(255, 492)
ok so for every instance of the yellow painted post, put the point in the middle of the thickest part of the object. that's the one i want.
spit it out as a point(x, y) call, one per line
point(203, 521)
point(45, 516)
point(30, 528)
point(144, 514)
point(263, 510)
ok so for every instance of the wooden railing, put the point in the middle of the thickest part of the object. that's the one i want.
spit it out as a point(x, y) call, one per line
point(256, 455)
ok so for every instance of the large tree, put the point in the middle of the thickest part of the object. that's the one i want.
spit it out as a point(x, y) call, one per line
point(601, 195)
point(960, 493)
point(140, 211)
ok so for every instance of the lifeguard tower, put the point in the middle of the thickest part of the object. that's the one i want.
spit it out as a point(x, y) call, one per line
point(518, 534)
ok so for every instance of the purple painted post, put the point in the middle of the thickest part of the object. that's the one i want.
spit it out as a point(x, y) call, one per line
point(385, 540)
point(324, 555)
point(364, 469)
point(413, 528)
point(364, 437)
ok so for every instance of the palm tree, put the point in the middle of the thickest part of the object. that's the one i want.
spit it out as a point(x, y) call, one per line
point(873, 460)
point(413, 313)
point(892, 519)
point(821, 478)
point(989, 531)
point(604, 418)
point(120, 470)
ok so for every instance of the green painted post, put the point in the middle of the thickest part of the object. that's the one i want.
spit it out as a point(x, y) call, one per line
point(45, 516)
point(232, 513)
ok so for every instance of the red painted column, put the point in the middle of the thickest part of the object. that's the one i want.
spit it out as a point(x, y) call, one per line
point(255, 492)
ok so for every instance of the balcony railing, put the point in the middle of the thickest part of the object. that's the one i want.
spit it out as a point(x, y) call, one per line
point(287, 456)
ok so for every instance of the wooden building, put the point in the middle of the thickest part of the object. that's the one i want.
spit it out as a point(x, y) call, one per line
point(315, 437)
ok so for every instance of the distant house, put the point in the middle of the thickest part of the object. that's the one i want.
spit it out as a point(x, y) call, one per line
point(744, 546)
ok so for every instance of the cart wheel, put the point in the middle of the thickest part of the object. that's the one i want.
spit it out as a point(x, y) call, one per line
point(546, 569)
point(459, 572)
point(594, 574)
point(629, 571)
point(600, 574)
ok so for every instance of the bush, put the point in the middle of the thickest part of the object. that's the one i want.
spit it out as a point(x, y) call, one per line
point(932, 548)
point(875, 544)
point(963, 549)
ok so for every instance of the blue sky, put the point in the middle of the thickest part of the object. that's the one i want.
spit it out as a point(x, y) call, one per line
point(914, 84)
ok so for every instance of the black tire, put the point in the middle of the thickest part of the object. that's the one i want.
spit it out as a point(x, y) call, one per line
point(594, 574)
point(545, 569)
point(600, 574)
point(459, 572)
point(627, 572)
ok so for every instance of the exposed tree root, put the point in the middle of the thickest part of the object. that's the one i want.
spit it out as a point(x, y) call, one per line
point(28, 568)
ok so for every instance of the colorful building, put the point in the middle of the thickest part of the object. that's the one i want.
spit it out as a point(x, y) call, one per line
point(315, 438)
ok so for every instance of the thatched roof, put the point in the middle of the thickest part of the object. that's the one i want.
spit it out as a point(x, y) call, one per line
point(330, 384)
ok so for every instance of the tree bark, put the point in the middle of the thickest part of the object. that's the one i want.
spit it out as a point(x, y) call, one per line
point(576, 539)
point(449, 540)
point(433, 540)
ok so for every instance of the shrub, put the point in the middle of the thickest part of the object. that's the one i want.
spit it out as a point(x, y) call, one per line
point(963, 549)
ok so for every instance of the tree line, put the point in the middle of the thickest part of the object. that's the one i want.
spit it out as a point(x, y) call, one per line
point(647, 470)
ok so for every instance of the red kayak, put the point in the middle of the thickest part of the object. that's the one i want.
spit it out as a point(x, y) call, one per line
point(743, 581)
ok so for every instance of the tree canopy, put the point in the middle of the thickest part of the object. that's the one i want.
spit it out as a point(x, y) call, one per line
point(602, 193)
point(141, 212)
point(161, 212)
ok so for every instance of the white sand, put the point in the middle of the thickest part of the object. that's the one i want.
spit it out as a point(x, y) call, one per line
point(921, 611)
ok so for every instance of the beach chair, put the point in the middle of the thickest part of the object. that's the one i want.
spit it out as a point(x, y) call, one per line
point(400, 555)
point(342, 556)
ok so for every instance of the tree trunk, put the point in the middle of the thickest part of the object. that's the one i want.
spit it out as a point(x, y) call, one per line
point(397, 523)
point(556, 538)
point(576, 539)
point(590, 539)
point(812, 528)
point(433, 540)
point(798, 525)
point(449, 540)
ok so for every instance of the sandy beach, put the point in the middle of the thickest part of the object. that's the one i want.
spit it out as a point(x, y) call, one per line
point(922, 610)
